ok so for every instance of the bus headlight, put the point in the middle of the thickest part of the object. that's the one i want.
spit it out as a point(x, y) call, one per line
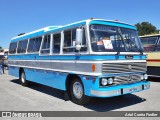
point(145, 76)
point(104, 81)
point(142, 77)
point(110, 81)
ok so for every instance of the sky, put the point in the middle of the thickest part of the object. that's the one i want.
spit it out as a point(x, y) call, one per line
point(22, 16)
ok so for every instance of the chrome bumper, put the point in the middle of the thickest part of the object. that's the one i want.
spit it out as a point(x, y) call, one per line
point(126, 89)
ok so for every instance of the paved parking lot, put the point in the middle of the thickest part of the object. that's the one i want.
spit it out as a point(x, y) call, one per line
point(14, 97)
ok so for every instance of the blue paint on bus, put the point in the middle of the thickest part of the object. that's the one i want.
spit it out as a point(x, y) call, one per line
point(111, 23)
point(71, 57)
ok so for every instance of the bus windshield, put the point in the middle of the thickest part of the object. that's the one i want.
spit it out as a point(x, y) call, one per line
point(149, 43)
point(114, 39)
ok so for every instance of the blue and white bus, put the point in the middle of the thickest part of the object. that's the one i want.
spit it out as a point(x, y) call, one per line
point(90, 58)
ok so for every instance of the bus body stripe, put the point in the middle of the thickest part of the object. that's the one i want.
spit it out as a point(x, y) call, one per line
point(74, 57)
point(153, 60)
point(111, 23)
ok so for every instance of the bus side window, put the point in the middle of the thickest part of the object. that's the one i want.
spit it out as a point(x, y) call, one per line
point(158, 46)
point(12, 48)
point(31, 44)
point(37, 44)
point(56, 43)
point(22, 46)
point(34, 44)
point(149, 44)
point(69, 41)
point(46, 45)
point(68, 44)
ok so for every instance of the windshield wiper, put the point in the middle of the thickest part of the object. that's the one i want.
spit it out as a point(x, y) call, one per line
point(117, 47)
point(141, 52)
point(118, 52)
point(122, 39)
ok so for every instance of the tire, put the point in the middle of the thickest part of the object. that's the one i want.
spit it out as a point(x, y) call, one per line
point(77, 92)
point(22, 79)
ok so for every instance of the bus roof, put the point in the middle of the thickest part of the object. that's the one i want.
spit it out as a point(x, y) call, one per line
point(50, 29)
point(153, 35)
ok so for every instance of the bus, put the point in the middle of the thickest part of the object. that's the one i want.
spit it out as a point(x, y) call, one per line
point(151, 44)
point(85, 59)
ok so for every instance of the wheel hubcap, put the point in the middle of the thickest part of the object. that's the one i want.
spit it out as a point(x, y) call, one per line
point(77, 90)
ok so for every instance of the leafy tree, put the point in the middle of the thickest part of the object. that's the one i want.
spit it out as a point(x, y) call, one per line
point(146, 28)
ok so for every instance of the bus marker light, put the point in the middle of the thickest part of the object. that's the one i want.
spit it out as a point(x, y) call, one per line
point(93, 67)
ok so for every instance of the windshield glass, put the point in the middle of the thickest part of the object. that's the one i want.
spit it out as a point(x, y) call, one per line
point(114, 39)
point(149, 43)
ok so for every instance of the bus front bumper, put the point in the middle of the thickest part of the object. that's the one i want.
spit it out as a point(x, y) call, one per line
point(120, 89)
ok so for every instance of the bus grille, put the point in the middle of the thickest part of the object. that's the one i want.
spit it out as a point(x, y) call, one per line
point(127, 79)
point(114, 68)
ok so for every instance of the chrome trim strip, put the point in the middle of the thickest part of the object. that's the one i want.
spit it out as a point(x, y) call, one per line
point(124, 67)
point(153, 76)
point(114, 53)
point(105, 93)
point(59, 70)
point(146, 86)
point(117, 92)
point(126, 79)
point(82, 61)
point(71, 66)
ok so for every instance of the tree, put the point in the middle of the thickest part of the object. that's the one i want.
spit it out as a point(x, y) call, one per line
point(146, 28)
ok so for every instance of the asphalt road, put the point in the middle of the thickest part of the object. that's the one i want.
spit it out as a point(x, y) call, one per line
point(36, 97)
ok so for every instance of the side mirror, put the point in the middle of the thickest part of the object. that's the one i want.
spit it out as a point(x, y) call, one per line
point(79, 37)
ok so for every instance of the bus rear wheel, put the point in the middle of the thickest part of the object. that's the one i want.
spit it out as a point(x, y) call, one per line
point(77, 92)
point(22, 79)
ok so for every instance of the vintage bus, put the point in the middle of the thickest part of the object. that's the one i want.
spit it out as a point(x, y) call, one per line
point(151, 44)
point(90, 58)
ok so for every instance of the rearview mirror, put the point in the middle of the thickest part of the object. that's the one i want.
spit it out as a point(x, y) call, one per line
point(79, 36)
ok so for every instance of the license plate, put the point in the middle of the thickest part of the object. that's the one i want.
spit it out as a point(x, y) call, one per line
point(133, 89)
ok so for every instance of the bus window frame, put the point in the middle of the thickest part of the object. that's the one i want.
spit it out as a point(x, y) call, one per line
point(40, 50)
point(26, 47)
point(51, 53)
point(51, 43)
point(37, 52)
point(62, 43)
point(16, 48)
point(86, 38)
point(68, 47)
point(155, 45)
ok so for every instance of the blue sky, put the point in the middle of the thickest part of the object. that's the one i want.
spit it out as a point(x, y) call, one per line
point(18, 16)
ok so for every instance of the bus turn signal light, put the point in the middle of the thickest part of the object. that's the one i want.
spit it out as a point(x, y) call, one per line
point(93, 67)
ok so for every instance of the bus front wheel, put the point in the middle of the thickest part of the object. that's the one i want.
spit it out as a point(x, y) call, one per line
point(23, 80)
point(77, 92)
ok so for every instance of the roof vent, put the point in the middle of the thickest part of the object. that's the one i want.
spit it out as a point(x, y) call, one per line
point(21, 34)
